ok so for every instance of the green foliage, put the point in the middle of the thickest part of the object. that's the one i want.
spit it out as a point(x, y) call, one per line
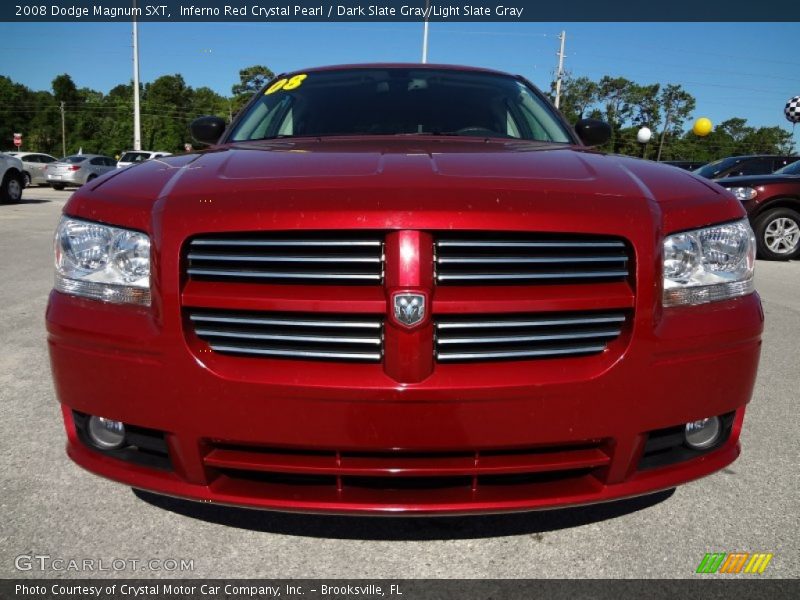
point(627, 106)
point(251, 79)
point(103, 123)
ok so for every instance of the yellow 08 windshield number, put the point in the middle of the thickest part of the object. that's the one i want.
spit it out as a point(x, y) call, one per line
point(286, 84)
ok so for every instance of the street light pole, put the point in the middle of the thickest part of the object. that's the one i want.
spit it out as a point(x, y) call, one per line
point(137, 125)
point(63, 131)
point(425, 33)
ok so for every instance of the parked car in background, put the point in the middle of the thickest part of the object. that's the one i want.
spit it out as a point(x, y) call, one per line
point(132, 157)
point(736, 166)
point(772, 203)
point(33, 166)
point(688, 165)
point(11, 179)
point(78, 169)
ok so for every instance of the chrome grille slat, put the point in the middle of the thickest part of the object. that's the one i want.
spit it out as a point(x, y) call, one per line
point(327, 258)
point(283, 335)
point(445, 243)
point(519, 354)
point(303, 354)
point(537, 322)
point(286, 338)
point(287, 322)
point(463, 338)
point(477, 341)
point(531, 276)
point(513, 258)
point(283, 274)
point(531, 259)
point(290, 243)
point(272, 258)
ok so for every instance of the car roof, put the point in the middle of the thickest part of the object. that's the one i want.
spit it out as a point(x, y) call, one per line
point(415, 66)
point(145, 151)
point(762, 156)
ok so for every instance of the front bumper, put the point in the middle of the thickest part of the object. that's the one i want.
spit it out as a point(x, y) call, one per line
point(582, 429)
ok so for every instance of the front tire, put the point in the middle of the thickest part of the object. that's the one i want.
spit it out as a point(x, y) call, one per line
point(778, 234)
point(11, 190)
point(26, 179)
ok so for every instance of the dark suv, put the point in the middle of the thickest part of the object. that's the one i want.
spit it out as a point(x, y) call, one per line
point(736, 166)
point(773, 205)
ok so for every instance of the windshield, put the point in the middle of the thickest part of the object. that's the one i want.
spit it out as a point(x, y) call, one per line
point(73, 159)
point(716, 167)
point(790, 169)
point(400, 101)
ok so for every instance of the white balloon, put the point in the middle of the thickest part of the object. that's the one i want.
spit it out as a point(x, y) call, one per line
point(644, 134)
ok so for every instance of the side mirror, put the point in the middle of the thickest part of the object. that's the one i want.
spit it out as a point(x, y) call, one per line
point(207, 130)
point(593, 132)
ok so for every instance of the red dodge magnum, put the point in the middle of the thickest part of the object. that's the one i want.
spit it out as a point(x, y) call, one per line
point(403, 289)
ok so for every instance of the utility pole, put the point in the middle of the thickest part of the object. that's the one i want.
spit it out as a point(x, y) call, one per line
point(63, 132)
point(663, 135)
point(137, 126)
point(425, 33)
point(560, 72)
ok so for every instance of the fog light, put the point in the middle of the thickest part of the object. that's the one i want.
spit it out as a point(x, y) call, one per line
point(106, 434)
point(703, 434)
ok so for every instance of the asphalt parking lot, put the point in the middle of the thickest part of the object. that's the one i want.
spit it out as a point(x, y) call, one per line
point(51, 507)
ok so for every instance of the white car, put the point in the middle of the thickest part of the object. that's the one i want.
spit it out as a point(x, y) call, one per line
point(132, 157)
point(11, 178)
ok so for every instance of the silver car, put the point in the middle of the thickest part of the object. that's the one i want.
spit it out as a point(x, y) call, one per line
point(33, 164)
point(78, 169)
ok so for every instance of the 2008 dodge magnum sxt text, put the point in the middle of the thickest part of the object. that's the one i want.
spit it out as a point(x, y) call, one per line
point(403, 288)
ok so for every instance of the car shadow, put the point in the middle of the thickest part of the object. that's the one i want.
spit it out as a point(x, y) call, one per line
point(404, 528)
point(28, 201)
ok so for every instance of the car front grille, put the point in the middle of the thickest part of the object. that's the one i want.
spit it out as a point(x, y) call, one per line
point(326, 295)
point(522, 259)
point(287, 335)
point(310, 257)
point(519, 337)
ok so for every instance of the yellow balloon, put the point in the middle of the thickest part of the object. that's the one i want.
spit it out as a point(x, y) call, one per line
point(702, 127)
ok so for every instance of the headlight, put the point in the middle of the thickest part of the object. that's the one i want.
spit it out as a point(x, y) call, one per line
point(101, 262)
point(709, 264)
point(744, 193)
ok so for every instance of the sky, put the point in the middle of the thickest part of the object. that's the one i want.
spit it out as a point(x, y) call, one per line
point(746, 70)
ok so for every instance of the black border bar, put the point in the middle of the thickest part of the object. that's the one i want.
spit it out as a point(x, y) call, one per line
point(310, 11)
point(702, 587)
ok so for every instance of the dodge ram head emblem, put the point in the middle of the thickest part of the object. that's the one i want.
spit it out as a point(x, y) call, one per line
point(409, 309)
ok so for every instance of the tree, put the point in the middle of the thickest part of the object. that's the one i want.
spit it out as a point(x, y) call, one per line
point(251, 79)
point(578, 95)
point(677, 105)
point(166, 113)
point(614, 95)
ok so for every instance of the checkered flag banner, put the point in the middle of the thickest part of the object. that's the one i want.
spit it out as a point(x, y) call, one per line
point(792, 110)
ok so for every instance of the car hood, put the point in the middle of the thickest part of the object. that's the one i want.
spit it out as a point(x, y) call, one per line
point(399, 174)
point(754, 180)
point(403, 164)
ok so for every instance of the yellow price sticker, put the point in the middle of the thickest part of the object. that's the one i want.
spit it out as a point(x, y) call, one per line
point(286, 84)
